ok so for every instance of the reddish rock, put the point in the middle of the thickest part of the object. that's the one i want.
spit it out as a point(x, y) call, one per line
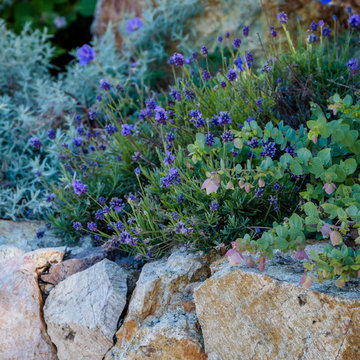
point(61, 271)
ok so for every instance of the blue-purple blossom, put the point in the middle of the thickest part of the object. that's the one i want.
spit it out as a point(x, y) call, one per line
point(321, 23)
point(85, 54)
point(209, 139)
point(224, 118)
point(253, 143)
point(105, 84)
point(269, 149)
point(51, 134)
point(227, 136)
point(173, 177)
point(313, 26)
point(180, 198)
point(175, 216)
point(133, 25)
point(102, 200)
point(237, 43)
point(326, 31)
point(169, 158)
point(93, 115)
point(111, 129)
point(353, 65)
point(223, 84)
point(232, 75)
point(178, 59)
point(175, 95)
point(77, 141)
point(214, 206)
point(99, 215)
point(136, 156)
point(127, 130)
point(194, 55)
point(220, 39)
point(246, 31)
point(50, 198)
point(77, 225)
point(92, 226)
point(283, 18)
point(119, 226)
point(354, 21)
point(160, 115)
point(276, 187)
point(273, 31)
point(204, 51)
point(116, 204)
point(150, 104)
point(205, 74)
point(290, 150)
point(259, 192)
point(313, 38)
point(79, 187)
point(36, 143)
point(137, 171)
point(170, 137)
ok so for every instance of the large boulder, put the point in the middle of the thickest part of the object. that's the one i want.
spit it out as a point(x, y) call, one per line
point(161, 321)
point(245, 314)
point(22, 328)
point(9, 251)
point(82, 311)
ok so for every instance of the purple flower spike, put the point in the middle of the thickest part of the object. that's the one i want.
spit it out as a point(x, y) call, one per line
point(79, 187)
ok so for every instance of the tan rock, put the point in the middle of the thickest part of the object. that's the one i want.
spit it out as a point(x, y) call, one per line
point(245, 314)
point(82, 311)
point(22, 329)
point(46, 256)
point(9, 251)
point(163, 294)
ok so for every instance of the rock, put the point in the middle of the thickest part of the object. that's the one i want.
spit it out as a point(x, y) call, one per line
point(173, 336)
point(82, 261)
point(27, 235)
point(163, 292)
point(45, 257)
point(9, 251)
point(22, 329)
point(245, 314)
point(82, 311)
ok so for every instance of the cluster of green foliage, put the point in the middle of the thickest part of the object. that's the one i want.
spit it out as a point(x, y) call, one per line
point(33, 101)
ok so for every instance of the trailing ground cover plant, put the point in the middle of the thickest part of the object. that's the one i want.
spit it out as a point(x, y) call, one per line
point(229, 167)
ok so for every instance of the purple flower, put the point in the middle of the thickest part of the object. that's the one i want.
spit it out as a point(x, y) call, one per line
point(276, 187)
point(102, 200)
point(214, 206)
point(290, 150)
point(36, 143)
point(246, 31)
point(249, 58)
point(259, 192)
point(313, 26)
point(77, 141)
point(98, 97)
point(237, 43)
point(93, 115)
point(273, 31)
point(253, 143)
point(353, 65)
point(105, 84)
point(79, 187)
point(160, 115)
point(283, 18)
point(227, 136)
point(77, 225)
point(136, 156)
point(99, 215)
point(176, 95)
point(173, 177)
point(220, 39)
point(326, 31)
point(178, 59)
point(204, 51)
point(169, 159)
point(133, 25)
point(231, 75)
point(209, 139)
point(194, 55)
point(269, 149)
point(137, 171)
point(321, 23)
point(180, 198)
point(85, 54)
point(51, 134)
point(312, 38)
point(111, 129)
point(117, 204)
point(205, 74)
point(127, 130)
point(150, 104)
point(50, 198)
point(92, 226)
point(227, 34)
point(60, 22)
point(223, 84)
point(119, 226)
point(224, 118)
point(354, 21)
